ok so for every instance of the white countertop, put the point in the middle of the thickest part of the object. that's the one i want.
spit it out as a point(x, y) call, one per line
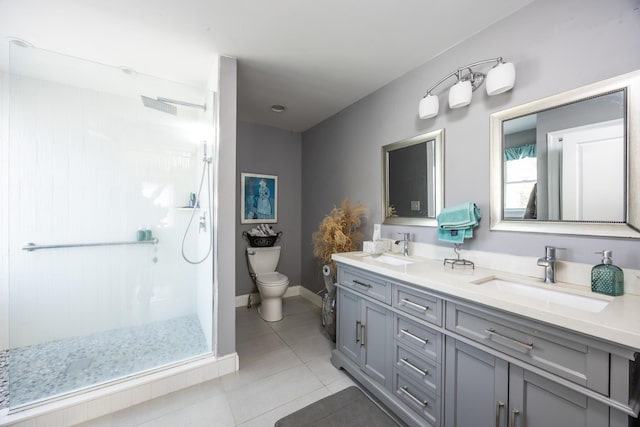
point(618, 322)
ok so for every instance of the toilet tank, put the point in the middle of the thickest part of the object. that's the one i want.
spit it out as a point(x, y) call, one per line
point(263, 260)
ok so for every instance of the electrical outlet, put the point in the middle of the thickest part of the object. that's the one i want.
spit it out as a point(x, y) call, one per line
point(415, 205)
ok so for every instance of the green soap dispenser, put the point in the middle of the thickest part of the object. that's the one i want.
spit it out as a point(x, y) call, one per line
point(607, 278)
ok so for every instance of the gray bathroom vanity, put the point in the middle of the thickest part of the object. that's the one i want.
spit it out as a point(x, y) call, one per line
point(439, 348)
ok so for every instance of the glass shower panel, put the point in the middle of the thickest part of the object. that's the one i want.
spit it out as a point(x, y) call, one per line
point(99, 190)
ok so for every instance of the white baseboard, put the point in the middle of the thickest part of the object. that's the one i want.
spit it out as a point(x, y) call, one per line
point(292, 291)
point(314, 298)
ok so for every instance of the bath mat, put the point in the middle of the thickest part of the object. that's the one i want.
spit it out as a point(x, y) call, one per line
point(347, 408)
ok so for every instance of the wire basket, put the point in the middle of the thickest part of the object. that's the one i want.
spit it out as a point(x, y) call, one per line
point(261, 241)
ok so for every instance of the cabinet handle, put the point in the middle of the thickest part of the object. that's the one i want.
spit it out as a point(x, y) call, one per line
point(514, 414)
point(363, 331)
point(526, 345)
point(358, 331)
point(499, 406)
point(366, 285)
point(414, 305)
point(422, 403)
point(405, 360)
point(417, 338)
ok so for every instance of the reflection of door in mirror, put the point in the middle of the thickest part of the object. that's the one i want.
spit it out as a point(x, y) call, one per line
point(588, 172)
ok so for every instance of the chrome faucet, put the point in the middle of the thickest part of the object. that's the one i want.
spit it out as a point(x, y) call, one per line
point(405, 241)
point(548, 261)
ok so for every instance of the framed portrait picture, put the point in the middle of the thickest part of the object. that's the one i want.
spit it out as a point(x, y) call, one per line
point(259, 199)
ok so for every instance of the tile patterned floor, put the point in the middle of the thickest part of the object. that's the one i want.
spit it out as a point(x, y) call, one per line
point(52, 368)
point(284, 366)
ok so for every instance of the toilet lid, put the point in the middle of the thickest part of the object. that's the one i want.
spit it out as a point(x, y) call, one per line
point(273, 278)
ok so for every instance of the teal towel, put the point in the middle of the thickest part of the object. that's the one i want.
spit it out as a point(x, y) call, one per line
point(455, 236)
point(458, 217)
point(457, 222)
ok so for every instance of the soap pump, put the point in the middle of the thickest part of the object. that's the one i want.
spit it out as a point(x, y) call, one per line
point(607, 278)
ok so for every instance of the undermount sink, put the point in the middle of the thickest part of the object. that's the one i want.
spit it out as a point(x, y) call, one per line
point(391, 260)
point(540, 294)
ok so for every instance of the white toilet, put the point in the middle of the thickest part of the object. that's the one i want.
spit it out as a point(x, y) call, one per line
point(271, 284)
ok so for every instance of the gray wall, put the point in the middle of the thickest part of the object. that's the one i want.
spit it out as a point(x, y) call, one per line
point(224, 267)
point(271, 151)
point(555, 46)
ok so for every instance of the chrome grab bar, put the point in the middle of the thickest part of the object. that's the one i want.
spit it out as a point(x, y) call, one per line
point(415, 337)
point(30, 247)
point(410, 303)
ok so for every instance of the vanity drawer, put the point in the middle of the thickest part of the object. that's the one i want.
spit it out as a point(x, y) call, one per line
point(559, 352)
point(422, 339)
point(418, 398)
point(367, 284)
point(424, 372)
point(418, 304)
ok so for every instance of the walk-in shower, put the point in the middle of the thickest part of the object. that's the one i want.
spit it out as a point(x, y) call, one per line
point(106, 276)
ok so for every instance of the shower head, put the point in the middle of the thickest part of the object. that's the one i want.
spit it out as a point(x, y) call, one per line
point(168, 105)
point(156, 104)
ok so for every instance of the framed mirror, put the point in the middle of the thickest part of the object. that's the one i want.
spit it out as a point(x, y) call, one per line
point(569, 163)
point(412, 180)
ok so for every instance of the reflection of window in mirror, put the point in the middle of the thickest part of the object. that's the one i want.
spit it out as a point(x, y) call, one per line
point(520, 178)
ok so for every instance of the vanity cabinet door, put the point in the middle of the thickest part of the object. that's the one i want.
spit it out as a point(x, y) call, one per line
point(364, 333)
point(348, 320)
point(476, 387)
point(535, 401)
point(374, 340)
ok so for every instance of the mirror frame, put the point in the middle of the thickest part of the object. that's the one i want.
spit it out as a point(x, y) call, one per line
point(437, 137)
point(630, 83)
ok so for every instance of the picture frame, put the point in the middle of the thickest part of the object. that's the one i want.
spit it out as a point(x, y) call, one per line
point(259, 198)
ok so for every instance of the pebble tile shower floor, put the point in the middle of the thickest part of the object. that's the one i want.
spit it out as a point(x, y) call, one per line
point(56, 367)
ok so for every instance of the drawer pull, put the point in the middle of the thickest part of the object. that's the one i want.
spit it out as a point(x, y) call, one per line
point(422, 403)
point(414, 305)
point(415, 337)
point(405, 360)
point(357, 282)
point(525, 345)
point(499, 406)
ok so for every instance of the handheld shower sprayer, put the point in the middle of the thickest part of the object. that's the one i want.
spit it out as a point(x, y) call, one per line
point(207, 160)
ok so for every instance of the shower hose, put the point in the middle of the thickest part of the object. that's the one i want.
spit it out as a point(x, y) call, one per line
point(205, 171)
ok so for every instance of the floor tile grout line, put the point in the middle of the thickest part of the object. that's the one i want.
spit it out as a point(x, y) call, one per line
point(286, 403)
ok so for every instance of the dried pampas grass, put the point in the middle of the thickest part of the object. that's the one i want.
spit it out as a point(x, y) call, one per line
point(338, 232)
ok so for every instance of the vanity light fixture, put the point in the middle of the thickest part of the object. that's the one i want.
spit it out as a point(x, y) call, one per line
point(499, 79)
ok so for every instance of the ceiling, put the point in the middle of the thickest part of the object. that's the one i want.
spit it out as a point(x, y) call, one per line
point(314, 57)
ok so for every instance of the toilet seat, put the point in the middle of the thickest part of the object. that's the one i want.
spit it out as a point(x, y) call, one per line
point(272, 279)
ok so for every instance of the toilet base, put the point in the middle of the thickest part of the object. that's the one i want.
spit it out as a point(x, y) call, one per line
point(271, 309)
